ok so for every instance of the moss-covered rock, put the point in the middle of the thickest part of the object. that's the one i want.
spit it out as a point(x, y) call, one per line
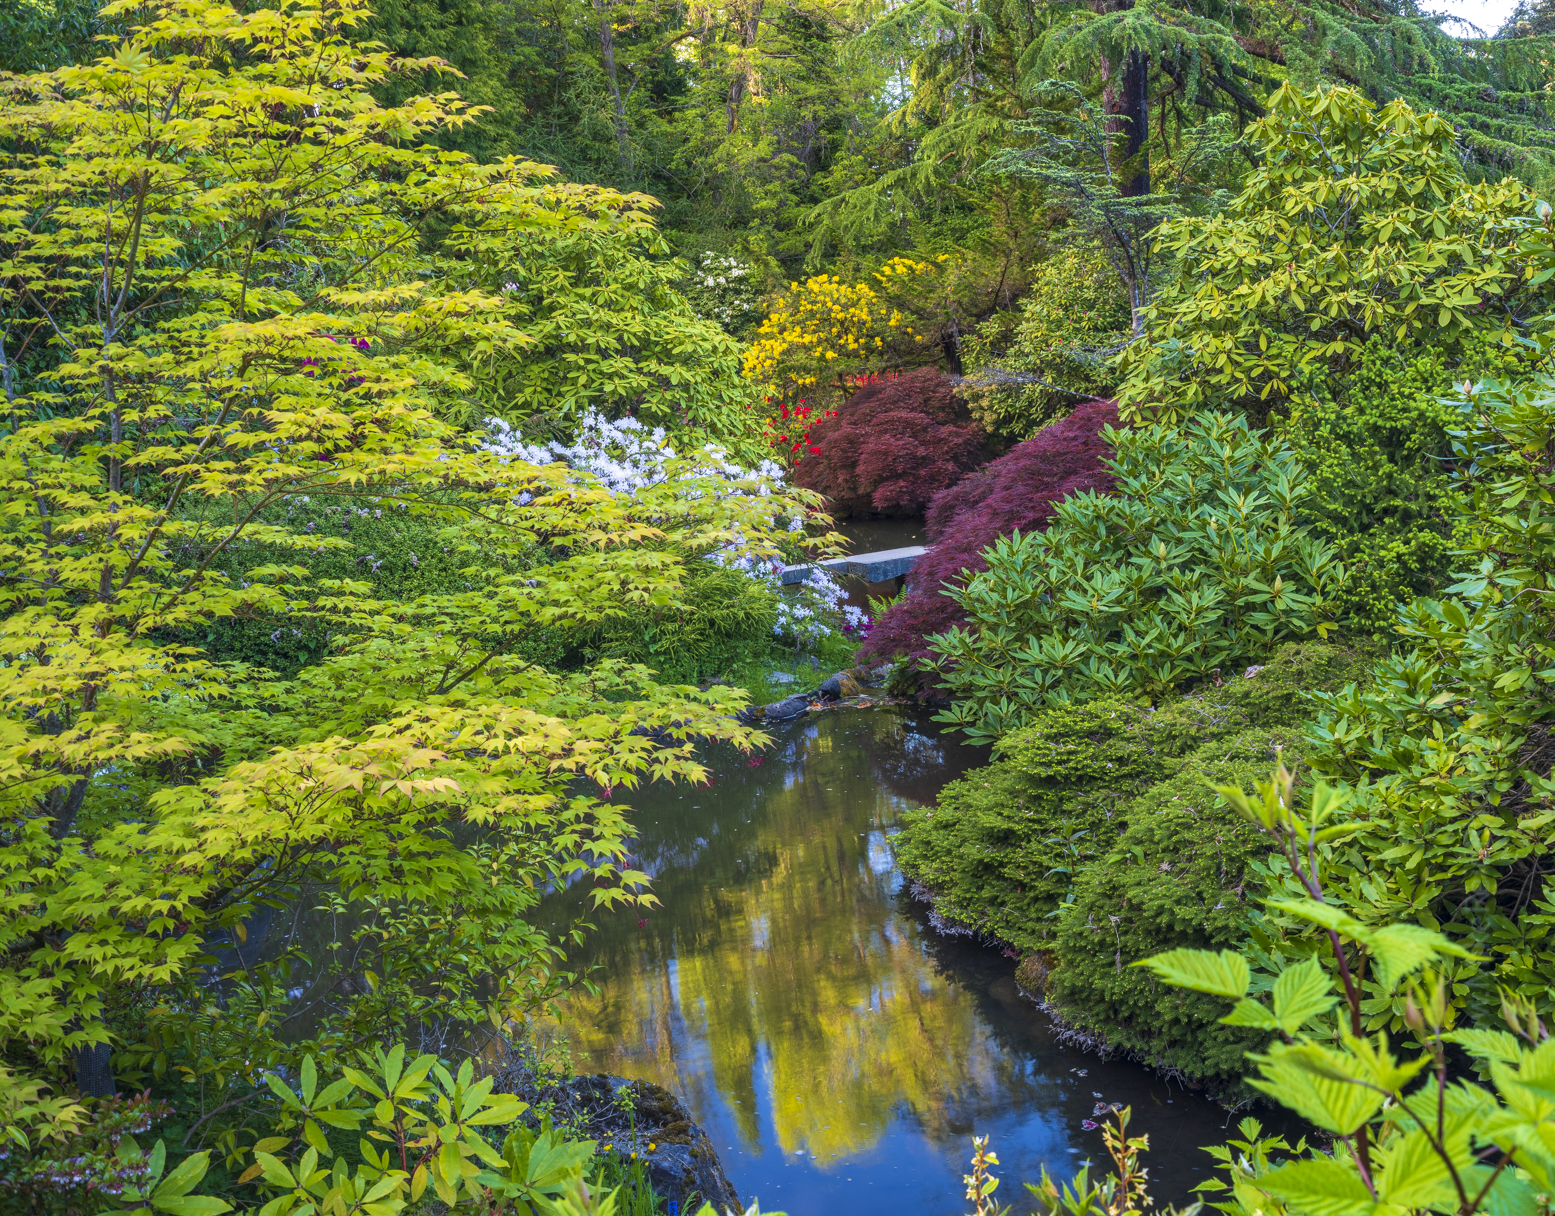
point(1178, 876)
point(1106, 810)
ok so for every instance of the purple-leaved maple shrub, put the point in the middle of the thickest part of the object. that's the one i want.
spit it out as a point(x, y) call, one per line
point(893, 445)
point(1016, 491)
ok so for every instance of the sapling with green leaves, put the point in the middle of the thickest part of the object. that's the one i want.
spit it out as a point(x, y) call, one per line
point(1407, 1137)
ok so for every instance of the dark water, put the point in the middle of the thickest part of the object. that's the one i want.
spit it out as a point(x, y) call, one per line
point(873, 535)
point(839, 1052)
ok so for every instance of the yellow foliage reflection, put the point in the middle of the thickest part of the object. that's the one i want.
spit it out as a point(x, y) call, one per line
point(782, 972)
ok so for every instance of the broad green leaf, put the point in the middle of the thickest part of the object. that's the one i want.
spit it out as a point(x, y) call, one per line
point(1302, 993)
point(1334, 1102)
point(275, 1171)
point(281, 1091)
point(1223, 974)
point(192, 1205)
point(315, 1137)
point(1250, 1013)
point(1375, 1062)
point(1513, 1196)
point(1488, 1044)
point(1319, 1187)
point(183, 1179)
point(1410, 1174)
point(1400, 950)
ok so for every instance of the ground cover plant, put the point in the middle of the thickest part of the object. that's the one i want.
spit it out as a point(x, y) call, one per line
point(892, 446)
point(1015, 493)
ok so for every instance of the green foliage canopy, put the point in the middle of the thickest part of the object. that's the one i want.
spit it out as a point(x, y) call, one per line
point(1357, 221)
point(219, 233)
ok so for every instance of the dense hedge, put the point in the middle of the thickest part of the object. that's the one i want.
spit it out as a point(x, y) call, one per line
point(1178, 875)
point(1104, 809)
point(1379, 446)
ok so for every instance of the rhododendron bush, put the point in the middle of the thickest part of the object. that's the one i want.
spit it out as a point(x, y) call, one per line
point(892, 447)
point(824, 331)
point(1016, 492)
point(1199, 563)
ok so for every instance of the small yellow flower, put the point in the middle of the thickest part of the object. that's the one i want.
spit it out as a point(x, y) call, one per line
point(652, 1147)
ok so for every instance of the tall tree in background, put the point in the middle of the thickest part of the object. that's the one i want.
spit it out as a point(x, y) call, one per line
point(803, 135)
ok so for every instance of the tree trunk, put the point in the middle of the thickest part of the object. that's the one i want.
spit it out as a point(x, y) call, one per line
point(749, 28)
point(1125, 98)
point(1135, 111)
point(94, 1071)
point(607, 52)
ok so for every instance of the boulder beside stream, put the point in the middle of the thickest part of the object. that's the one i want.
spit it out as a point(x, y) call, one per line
point(789, 707)
point(684, 1165)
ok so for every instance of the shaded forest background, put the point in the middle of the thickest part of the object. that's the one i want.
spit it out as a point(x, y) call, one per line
point(784, 137)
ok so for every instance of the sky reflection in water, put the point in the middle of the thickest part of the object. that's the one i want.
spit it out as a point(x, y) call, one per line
point(838, 1051)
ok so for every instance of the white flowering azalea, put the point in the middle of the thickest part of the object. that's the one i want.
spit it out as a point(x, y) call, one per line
point(624, 456)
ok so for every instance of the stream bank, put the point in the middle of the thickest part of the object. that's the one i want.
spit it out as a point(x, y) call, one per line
point(837, 1051)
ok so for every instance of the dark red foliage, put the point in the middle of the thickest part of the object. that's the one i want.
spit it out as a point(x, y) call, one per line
point(1016, 491)
point(892, 447)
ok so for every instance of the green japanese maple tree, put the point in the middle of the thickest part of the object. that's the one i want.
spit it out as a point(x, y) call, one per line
point(218, 293)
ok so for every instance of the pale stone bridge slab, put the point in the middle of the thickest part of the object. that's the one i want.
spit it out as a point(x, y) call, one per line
point(875, 567)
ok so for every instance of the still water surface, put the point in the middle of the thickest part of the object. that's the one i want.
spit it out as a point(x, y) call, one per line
point(839, 1052)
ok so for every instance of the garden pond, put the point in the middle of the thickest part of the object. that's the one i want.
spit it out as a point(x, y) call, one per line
point(839, 1052)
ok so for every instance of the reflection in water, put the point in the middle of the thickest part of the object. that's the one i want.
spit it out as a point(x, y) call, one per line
point(837, 1050)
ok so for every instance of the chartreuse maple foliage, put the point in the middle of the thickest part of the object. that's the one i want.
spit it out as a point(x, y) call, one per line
point(214, 245)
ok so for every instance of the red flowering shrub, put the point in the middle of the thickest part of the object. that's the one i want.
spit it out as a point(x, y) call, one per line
point(789, 426)
point(892, 446)
point(1016, 491)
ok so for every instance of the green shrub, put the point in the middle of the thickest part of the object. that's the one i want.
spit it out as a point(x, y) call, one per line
point(1032, 366)
point(1356, 222)
point(1196, 565)
point(1377, 450)
point(1380, 453)
point(1178, 875)
point(724, 616)
point(998, 850)
point(1001, 850)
